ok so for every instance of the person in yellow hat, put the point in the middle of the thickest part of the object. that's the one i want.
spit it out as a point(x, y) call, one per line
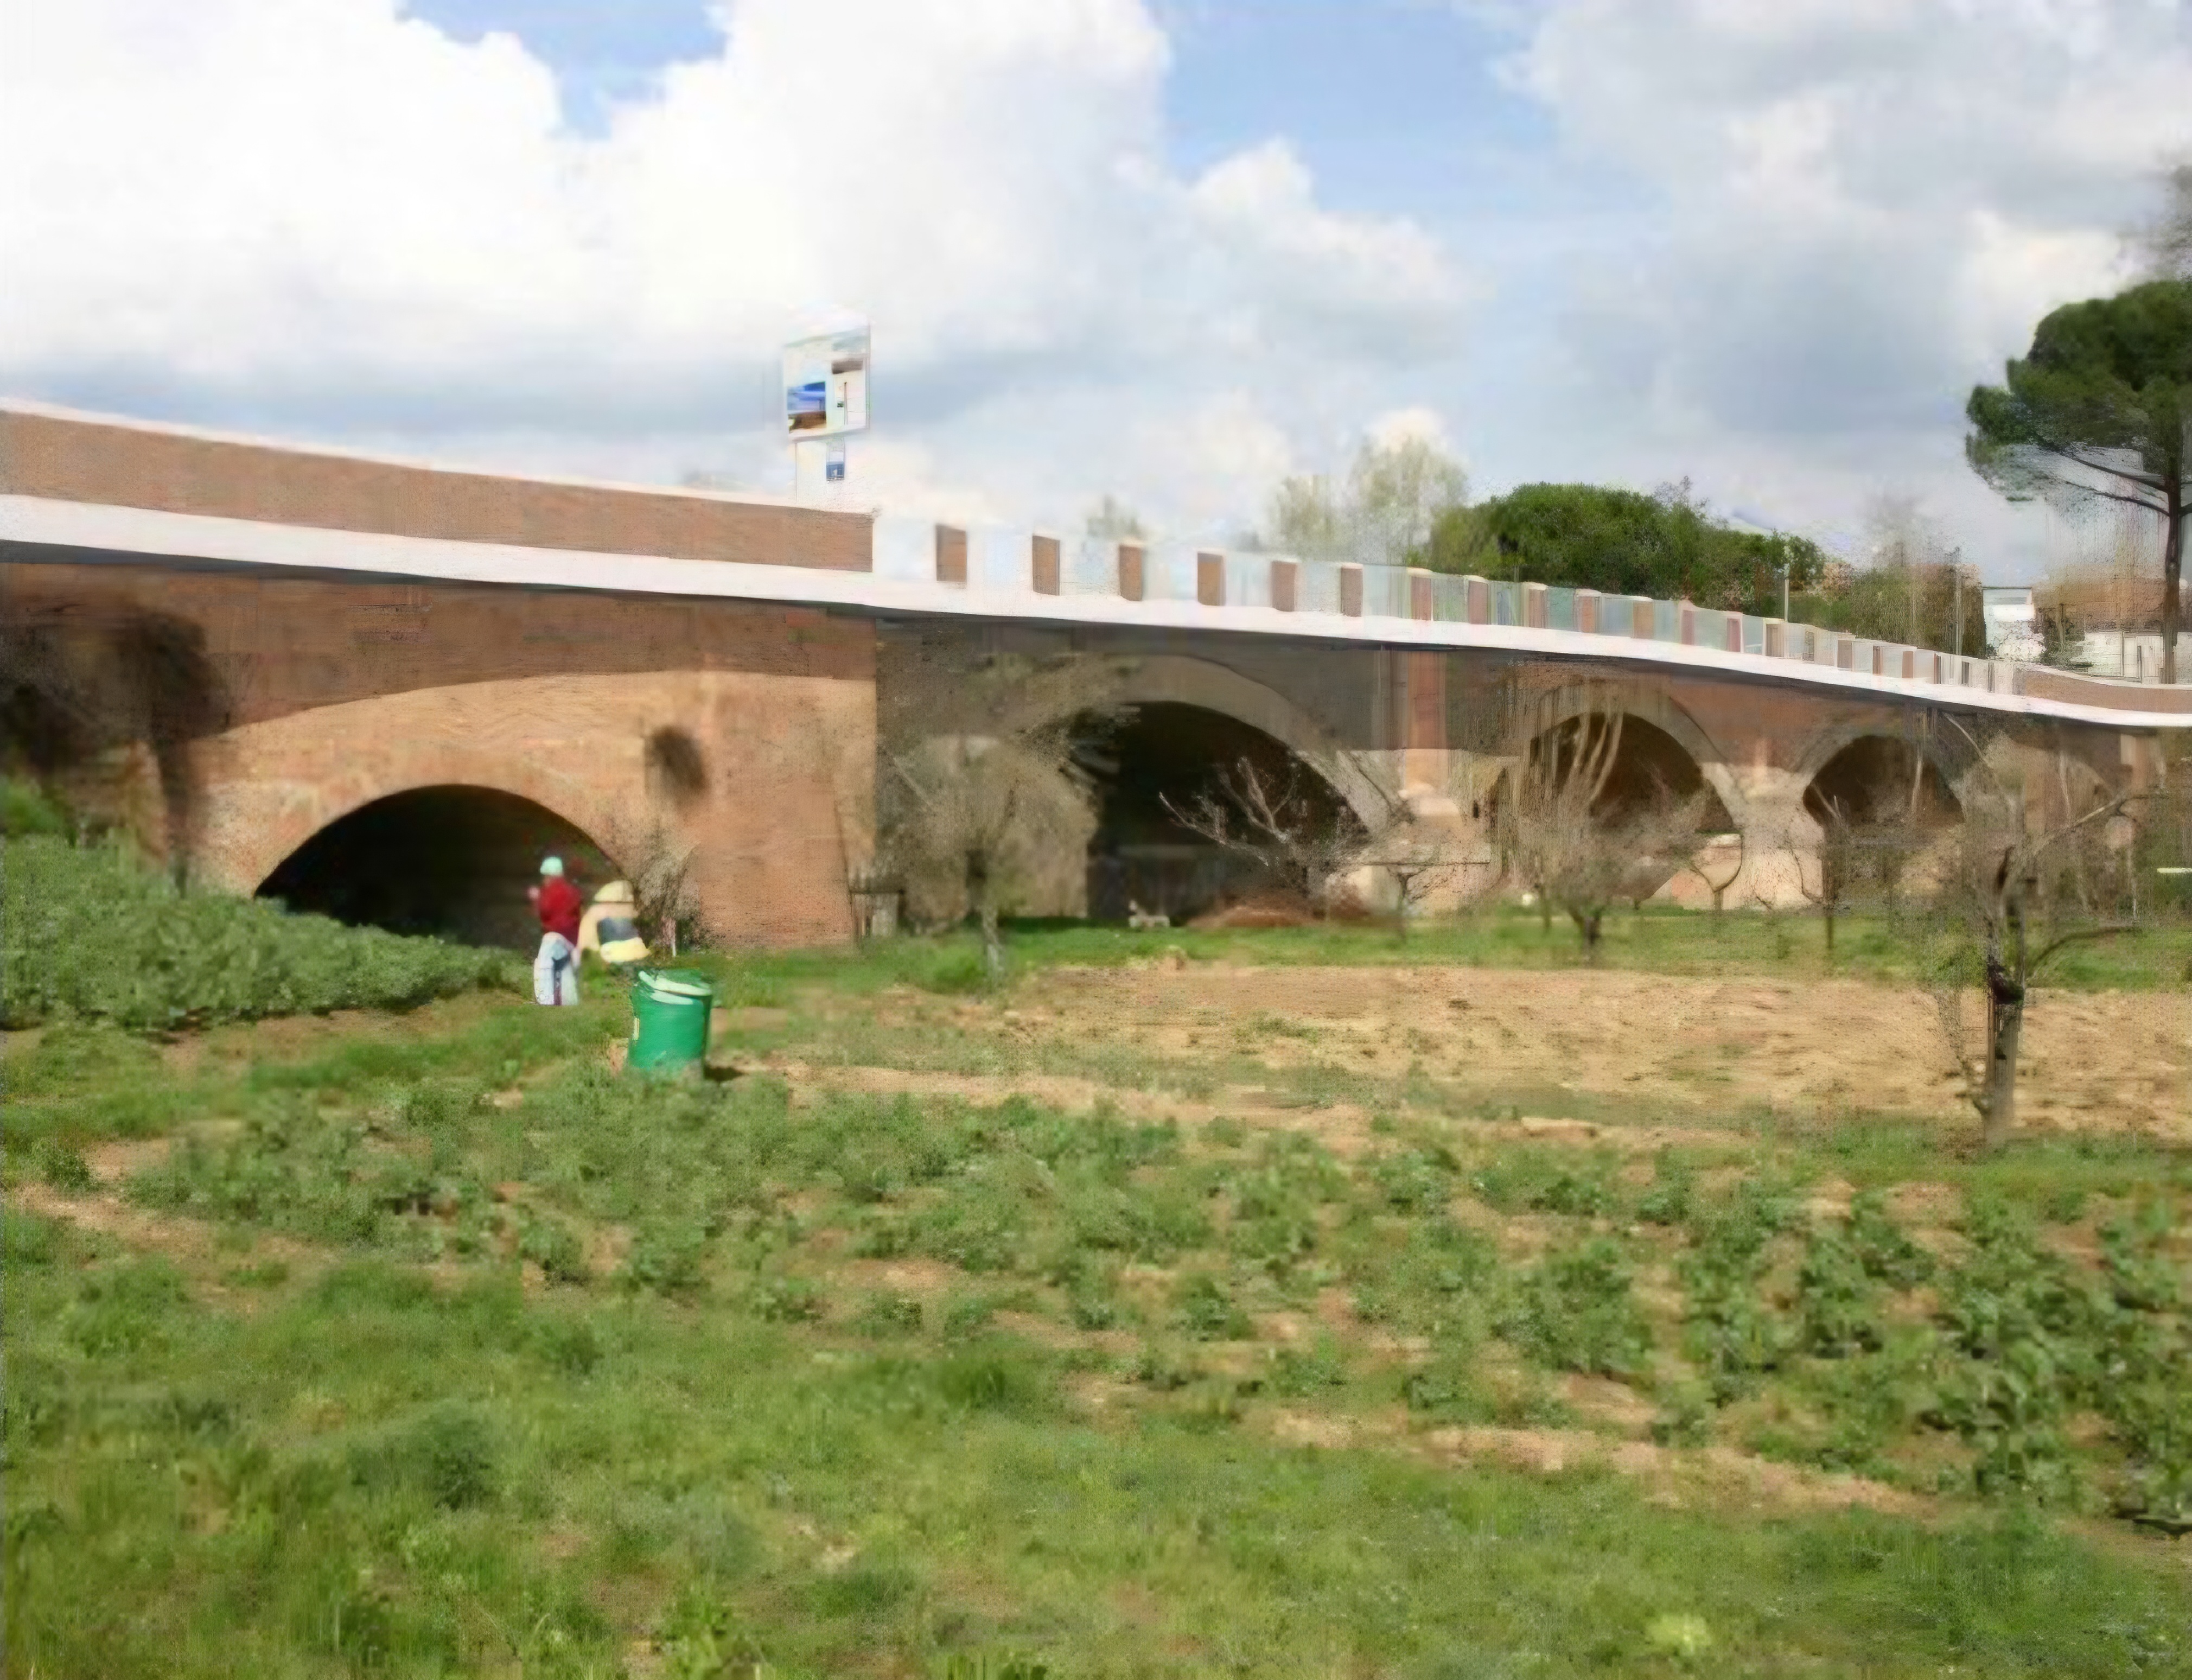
point(609, 930)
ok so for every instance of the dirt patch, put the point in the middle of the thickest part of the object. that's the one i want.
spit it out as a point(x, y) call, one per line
point(1825, 1050)
point(192, 1244)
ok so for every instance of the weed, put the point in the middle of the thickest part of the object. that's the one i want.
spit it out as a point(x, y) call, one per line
point(1575, 1311)
point(785, 1299)
point(64, 1169)
point(1204, 1307)
point(1836, 1306)
point(888, 1315)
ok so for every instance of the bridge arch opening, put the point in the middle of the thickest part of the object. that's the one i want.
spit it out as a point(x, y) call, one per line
point(1169, 757)
point(1879, 782)
point(1649, 765)
point(453, 860)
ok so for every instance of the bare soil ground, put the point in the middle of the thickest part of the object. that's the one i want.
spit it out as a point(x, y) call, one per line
point(2091, 1061)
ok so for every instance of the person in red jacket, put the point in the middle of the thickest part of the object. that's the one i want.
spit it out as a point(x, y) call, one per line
point(556, 970)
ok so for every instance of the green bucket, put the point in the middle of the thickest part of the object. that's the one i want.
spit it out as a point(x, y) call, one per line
point(669, 1011)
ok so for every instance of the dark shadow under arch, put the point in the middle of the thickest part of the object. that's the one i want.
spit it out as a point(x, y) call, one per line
point(1879, 780)
point(1169, 751)
point(449, 861)
point(1649, 765)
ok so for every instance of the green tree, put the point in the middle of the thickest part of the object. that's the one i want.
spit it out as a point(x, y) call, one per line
point(1623, 542)
point(2100, 410)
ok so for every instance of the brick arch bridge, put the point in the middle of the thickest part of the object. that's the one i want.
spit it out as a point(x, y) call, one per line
point(376, 626)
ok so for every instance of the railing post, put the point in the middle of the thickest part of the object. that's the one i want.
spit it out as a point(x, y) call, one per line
point(1533, 605)
point(1586, 605)
point(1476, 599)
point(1777, 639)
point(1643, 617)
point(1045, 565)
point(1422, 604)
point(1130, 572)
point(1210, 579)
point(1844, 653)
point(950, 555)
point(1282, 585)
point(1350, 591)
point(1685, 620)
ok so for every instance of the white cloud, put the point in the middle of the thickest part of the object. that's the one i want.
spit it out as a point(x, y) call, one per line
point(324, 215)
point(1864, 208)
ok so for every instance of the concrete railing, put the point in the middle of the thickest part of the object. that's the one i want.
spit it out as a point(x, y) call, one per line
point(1024, 564)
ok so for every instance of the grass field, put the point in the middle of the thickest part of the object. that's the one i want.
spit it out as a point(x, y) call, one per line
point(432, 1345)
point(1054, 1331)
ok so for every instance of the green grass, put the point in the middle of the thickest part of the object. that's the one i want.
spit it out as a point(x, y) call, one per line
point(377, 1474)
point(470, 1356)
point(89, 932)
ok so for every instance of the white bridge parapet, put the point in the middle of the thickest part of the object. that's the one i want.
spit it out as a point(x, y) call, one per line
point(1025, 575)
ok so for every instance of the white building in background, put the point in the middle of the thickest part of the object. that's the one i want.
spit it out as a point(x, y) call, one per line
point(2133, 655)
point(2013, 622)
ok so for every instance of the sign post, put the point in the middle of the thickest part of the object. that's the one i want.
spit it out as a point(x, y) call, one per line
point(825, 403)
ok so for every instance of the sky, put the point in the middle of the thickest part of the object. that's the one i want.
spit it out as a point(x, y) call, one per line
point(1168, 250)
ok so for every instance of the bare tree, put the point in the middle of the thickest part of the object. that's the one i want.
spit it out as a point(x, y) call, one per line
point(1384, 511)
point(1700, 865)
point(1581, 851)
point(1280, 822)
point(981, 791)
point(2018, 893)
point(1829, 887)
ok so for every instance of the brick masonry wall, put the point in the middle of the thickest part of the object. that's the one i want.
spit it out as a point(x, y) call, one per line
point(344, 693)
point(130, 466)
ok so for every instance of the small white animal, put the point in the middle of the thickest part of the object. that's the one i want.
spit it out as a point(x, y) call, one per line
point(1140, 919)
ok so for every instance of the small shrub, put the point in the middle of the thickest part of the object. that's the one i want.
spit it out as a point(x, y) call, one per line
point(785, 1299)
point(1297, 1373)
point(1835, 1303)
point(571, 1346)
point(64, 1169)
point(1448, 1390)
point(666, 1259)
point(1415, 1180)
point(550, 1245)
point(1575, 1311)
point(1883, 1248)
point(450, 1455)
point(888, 1315)
point(1165, 1369)
point(124, 1308)
point(1671, 1200)
point(1205, 1310)
point(968, 1316)
point(1686, 1420)
point(993, 1379)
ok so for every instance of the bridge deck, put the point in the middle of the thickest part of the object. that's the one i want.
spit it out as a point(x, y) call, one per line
point(88, 487)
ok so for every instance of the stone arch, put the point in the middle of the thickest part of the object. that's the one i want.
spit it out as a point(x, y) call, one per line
point(1647, 705)
point(447, 858)
point(1176, 680)
point(1945, 751)
point(1874, 777)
